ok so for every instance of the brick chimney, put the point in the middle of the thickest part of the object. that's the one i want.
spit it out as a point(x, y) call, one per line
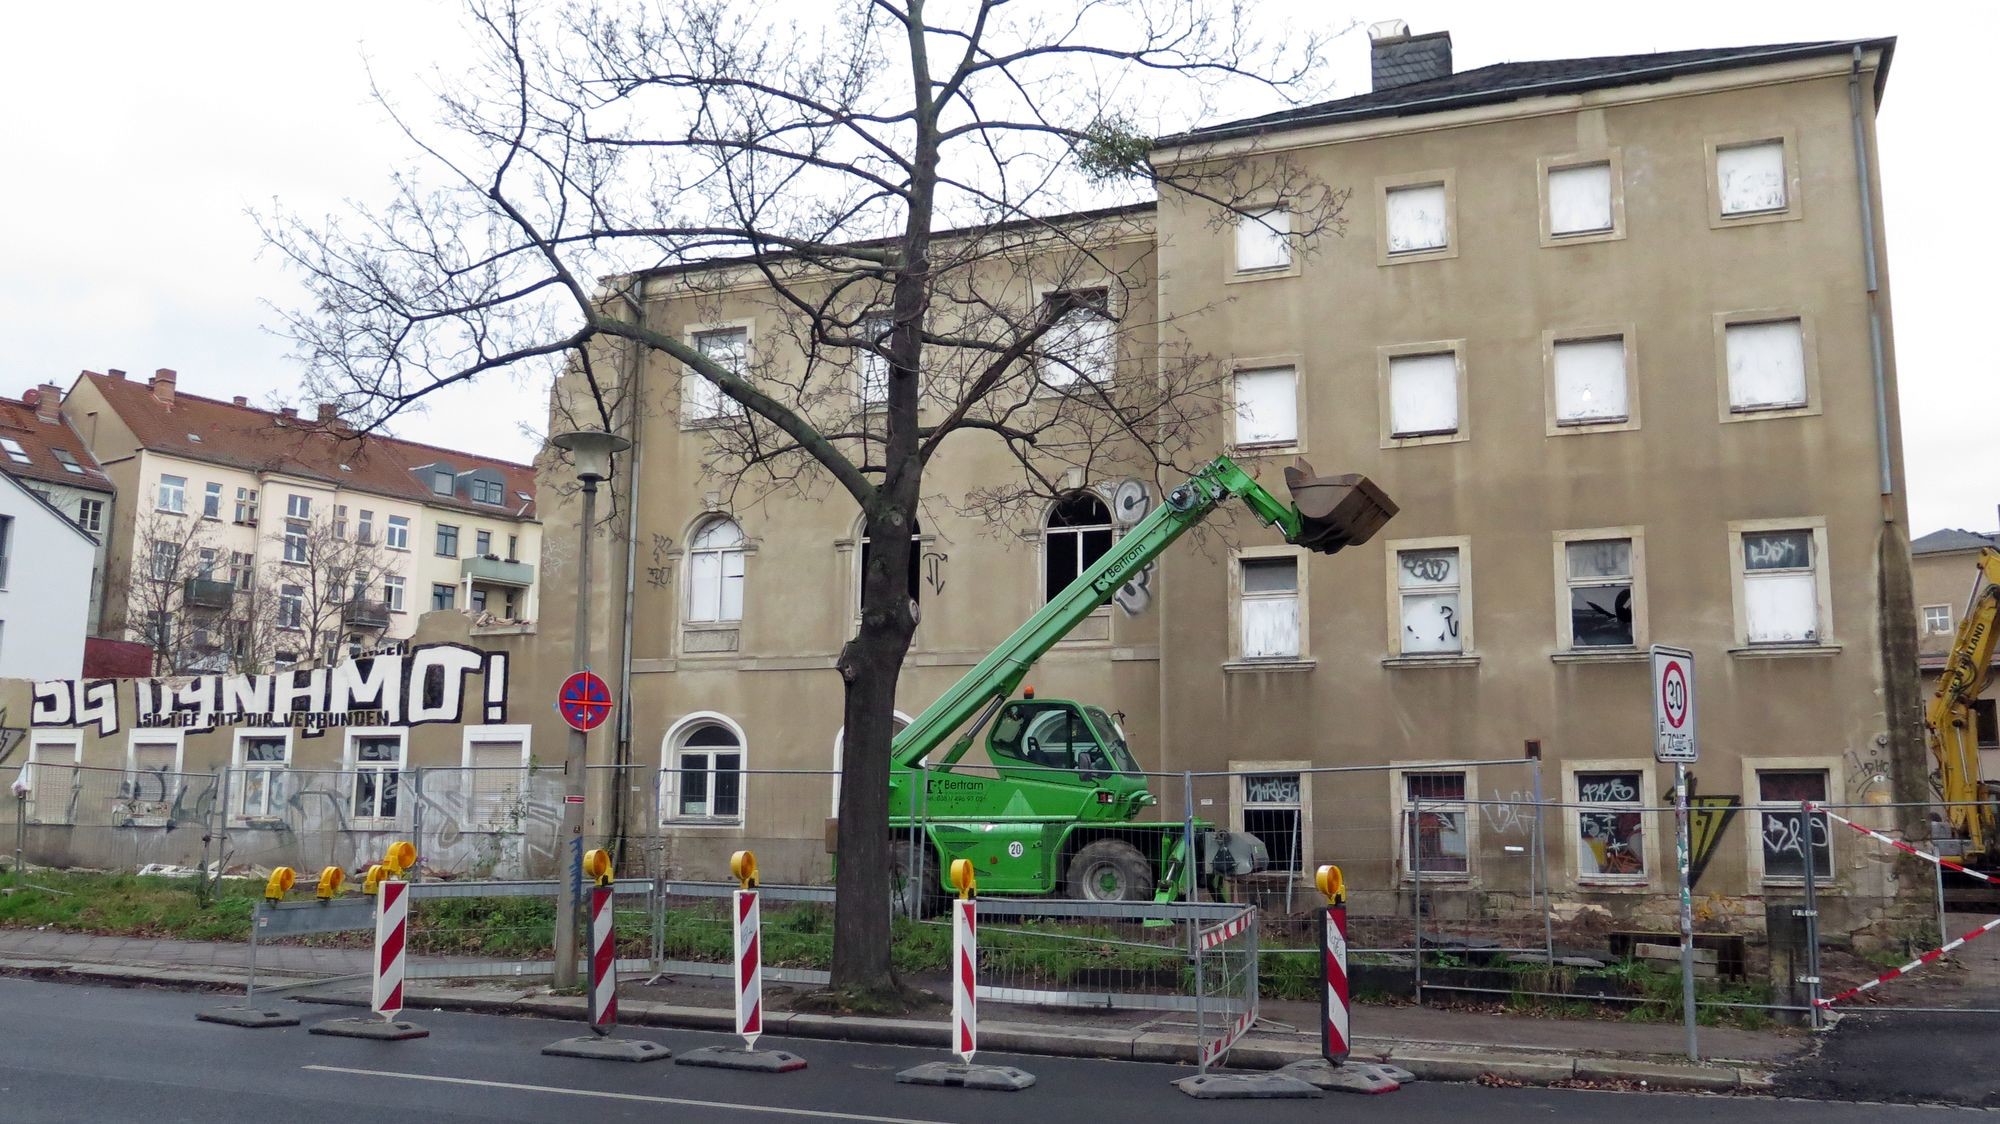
point(114, 372)
point(162, 384)
point(47, 401)
point(328, 413)
point(1397, 58)
point(239, 400)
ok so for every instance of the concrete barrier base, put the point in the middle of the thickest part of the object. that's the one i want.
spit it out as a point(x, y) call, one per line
point(1245, 1087)
point(737, 1057)
point(371, 1028)
point(996, 1078)
point(1349, 1076)
point(252, 1017)
point(608, 1049)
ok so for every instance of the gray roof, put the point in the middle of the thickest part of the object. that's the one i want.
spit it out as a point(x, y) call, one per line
point(1512, 81)
point(1952, 538)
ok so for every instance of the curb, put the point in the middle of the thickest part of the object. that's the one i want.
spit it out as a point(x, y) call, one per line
point(1430, 1062)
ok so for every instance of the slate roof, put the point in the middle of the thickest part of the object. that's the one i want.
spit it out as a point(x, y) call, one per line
point(255, 440)
point(1512, 81)
point(1950, 539)
point(39, 440)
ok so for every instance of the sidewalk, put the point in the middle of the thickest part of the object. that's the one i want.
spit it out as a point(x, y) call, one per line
point(1433, 1042)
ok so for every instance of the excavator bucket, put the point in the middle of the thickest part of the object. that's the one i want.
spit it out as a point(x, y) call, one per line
point(1335, 511)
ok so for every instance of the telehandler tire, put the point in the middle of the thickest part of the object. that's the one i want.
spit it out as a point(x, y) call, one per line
point(907, 896)
point(1110, 870)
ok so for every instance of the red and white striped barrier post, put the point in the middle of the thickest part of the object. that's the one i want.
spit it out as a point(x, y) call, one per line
point(748, 932)
point(964, 962)
point(1334, 1042)
point(392, 928)
point(603, 943)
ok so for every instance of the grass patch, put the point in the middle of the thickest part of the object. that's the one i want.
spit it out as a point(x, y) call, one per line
point(126, 905)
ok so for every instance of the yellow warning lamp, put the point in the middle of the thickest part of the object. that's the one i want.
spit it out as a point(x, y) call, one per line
point(1330, 883)
point(401, 856)
point(373, 882)
point(962, 878)
point(743, 865)
point(597, 864)
point(330, 881)
point(280, 884)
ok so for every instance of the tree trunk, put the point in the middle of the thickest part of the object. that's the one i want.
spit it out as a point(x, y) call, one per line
point(871, 664)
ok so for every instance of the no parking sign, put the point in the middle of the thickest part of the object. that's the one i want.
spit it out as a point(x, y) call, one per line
point(1673, 705)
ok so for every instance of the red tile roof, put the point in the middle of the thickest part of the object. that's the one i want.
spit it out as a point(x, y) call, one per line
point(241, 436)
point(38, 440)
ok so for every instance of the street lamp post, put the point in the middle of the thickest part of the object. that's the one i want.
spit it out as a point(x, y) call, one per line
point(591, 450)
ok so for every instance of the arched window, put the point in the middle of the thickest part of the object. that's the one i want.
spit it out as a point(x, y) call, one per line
point(702, 777)
point(1077, 533)
point(715, 572)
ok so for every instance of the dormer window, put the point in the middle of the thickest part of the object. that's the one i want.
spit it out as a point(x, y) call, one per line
point(68, 460)
point(487, 491)
point(442, 480)
point(15, 452)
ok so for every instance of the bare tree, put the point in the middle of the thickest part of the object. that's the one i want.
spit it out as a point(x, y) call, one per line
point(323, 588)
point(881, 181)
point(176, 593)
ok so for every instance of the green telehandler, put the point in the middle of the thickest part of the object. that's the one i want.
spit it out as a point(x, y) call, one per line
point(1062, 803)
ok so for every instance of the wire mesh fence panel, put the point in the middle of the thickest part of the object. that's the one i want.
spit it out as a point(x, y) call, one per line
point(84, 817)
point(486, 822)
point(796, 939)
point(685, 822)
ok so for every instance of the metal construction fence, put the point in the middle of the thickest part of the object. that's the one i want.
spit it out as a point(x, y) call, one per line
point(1482, 879)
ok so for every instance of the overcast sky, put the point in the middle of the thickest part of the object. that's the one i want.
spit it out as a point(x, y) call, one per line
point(136, 136)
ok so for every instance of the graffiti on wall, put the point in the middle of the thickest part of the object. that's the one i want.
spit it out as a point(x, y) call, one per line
point(424, 685)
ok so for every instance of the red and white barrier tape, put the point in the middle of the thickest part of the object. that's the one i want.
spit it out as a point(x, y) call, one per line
point(392, 920)
point(964, 978)
point(1215, 1048)
point(1217, 934)
point(1902, 846)
point(603, 960)
point(749, 967)
point(1927, 957)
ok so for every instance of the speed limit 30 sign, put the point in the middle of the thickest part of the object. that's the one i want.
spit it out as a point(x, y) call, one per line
point(1673, 705)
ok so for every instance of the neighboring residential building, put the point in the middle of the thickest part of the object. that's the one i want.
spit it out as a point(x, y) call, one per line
point(1942, 565)
point(253, 537)
point(1601, 327)
point(40, 449)
point(45, 583)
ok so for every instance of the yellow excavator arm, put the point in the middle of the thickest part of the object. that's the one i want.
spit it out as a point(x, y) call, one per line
point(1948, 720)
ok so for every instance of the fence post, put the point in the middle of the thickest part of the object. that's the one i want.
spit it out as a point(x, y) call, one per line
point(417, 820)
point(1413, 834)
point(1812, 914)
point(1539, 871)
point(1194, 925)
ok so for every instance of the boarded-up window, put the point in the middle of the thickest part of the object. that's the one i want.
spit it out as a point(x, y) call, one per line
point(1611, 826)
point(53, 779)
point(1590, 381)
point(1267, 407)
point(1423, 395)
point(1275, 814)
point(715, 572)
point(152, 779)
point(1767, 365)
point(1270, 608)
point(497, 782)
point(728, 348)
point(1599, 573)
point(1787, 830)
point(260, 784)
point(1580, 199)
point(1750, 178)
point(378, 776)
point(1434, 814)
point(1780, 588)
point(1416, 218)
point(1263, 240)
point(1428, 586)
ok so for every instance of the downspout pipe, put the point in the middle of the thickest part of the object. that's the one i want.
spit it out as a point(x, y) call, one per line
point(634, 370)
point(1864, 172)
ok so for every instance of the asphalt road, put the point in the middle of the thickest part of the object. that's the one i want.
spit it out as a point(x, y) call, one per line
point(74, 1053)
point(1926, 1057)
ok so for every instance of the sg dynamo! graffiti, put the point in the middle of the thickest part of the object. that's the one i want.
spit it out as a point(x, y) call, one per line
point(424, 685)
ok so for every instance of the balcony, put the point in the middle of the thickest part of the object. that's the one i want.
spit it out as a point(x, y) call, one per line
point(202, 593)
point(492, 569)
point(365, 614)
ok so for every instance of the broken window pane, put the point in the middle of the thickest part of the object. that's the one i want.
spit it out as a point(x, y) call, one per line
point(1435, 818)
point(1610, 842)
point(1787, 832)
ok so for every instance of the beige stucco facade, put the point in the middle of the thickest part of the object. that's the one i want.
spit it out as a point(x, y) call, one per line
point(1693, 485)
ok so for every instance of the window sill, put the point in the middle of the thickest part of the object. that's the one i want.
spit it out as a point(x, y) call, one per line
point(1287, 664)
point(1732, 414)
point(1596, 885)
point(1428, 253)
point(1266, 449)
point(1458, 878)
point(1582, 237)
point(1722, 220)
point(733, 825)
point(1268, 273)
point(1784, 651)
point(1608, 655)
point(1462, 660)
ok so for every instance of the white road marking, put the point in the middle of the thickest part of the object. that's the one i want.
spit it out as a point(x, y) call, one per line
point(773, 1110)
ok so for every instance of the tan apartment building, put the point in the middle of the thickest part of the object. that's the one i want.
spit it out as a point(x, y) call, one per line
point(1603, 329)
point(1942, 567)
point(251, 537)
